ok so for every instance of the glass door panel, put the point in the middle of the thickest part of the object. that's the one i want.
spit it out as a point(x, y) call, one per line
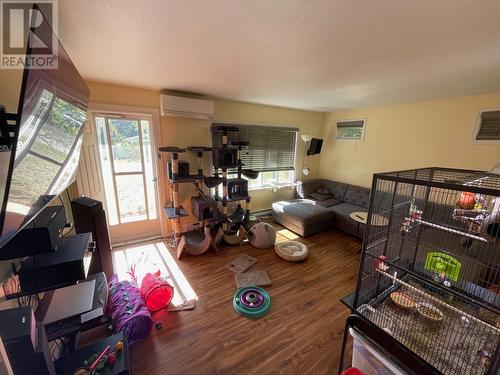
point(129, 175)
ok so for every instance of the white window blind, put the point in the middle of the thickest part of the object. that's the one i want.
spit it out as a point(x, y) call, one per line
point(489, 127)
point(271, 148)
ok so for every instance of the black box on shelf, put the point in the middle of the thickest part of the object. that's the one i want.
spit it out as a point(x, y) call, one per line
point(183, 169)
point(225, 157)
point(237, 188)
point(204, 208)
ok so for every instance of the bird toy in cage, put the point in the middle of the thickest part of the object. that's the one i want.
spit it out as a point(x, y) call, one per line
point(444, 266)
point(472, 210)
point(479, 219)
point(381, 263)
point(414, 215)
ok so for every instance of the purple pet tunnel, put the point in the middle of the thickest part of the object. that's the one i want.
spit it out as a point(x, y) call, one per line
point(128, 312)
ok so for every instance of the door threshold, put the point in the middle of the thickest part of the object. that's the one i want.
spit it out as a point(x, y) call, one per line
point(136, 241)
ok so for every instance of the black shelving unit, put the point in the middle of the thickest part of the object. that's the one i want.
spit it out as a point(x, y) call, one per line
point(429, 280)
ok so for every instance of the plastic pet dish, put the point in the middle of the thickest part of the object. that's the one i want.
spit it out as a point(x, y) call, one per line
point(429, 311)
point(402, 300)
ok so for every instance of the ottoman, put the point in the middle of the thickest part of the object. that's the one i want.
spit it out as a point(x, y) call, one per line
point(302, 217)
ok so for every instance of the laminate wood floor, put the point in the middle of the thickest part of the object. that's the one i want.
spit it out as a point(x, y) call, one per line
point(302, 333)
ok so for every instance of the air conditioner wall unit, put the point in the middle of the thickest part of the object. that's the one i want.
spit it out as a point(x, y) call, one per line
point(179, 106)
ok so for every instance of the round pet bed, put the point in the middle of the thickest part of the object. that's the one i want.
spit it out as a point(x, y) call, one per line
point(293, 251)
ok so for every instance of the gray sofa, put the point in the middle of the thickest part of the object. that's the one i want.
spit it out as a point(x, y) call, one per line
point(322, 204)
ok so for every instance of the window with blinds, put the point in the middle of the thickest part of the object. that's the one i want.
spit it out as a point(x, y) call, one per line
point(351, 129)
point(271, 148)
point(489, 126)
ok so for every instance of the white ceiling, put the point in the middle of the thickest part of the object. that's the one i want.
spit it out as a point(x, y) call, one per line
point(309, 54)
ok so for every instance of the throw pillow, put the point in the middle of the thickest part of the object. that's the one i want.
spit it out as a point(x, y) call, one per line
point(323, 191)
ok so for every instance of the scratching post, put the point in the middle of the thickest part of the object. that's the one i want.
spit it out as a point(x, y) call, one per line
point(227, 158)
point(176, 211)
point(230, 227)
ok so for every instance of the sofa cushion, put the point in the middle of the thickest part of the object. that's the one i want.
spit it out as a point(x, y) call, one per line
point(321, 197)
point(337, 189)
point(358, 196)
point(343, 210)
point(326, 203)
point(343, 219)
point(301, 213)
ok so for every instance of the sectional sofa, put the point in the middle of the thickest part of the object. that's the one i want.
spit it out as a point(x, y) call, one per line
point(322, 204)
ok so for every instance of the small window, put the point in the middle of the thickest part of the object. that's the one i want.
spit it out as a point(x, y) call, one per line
point(488, 128)
point(351, 129)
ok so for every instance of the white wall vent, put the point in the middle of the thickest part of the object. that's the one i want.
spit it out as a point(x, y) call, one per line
point(179, 106)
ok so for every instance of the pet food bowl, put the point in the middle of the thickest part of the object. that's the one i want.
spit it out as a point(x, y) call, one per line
point(402, 300)
point(429, 311)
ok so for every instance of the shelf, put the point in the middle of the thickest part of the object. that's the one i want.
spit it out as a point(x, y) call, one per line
point(170, 212)
point(239, 143)
point(348, 301)
point(172, 149)
point(224, 128)
point(199, 148)
point(186, 180)
point(220, 199)
point(228, 167)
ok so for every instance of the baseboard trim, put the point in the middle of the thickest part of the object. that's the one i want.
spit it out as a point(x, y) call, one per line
point(261, 213)
point(135, 241)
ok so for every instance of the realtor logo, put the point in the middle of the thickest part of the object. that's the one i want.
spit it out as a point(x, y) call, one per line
point(24, 25)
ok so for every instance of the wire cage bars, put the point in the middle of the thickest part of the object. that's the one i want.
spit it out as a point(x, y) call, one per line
point(429, 273)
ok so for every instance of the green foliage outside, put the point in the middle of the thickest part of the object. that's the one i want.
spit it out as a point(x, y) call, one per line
point(350, 133)
point(63, 115)
point(125, 139)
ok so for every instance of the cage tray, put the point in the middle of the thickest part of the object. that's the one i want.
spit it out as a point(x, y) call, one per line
point(452, 345)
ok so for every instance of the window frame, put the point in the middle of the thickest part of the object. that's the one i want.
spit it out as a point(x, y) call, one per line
point(363, 132)
point(293, 172)
point(477, 127)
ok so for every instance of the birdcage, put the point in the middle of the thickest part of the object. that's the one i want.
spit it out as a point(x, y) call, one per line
point(429, 274)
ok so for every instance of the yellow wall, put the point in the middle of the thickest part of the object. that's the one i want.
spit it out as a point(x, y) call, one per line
point(10, 88)
point(185, 131)
point(412, 135)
